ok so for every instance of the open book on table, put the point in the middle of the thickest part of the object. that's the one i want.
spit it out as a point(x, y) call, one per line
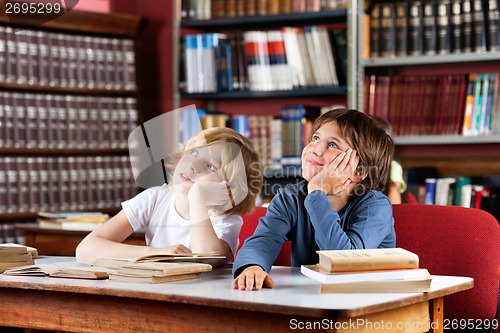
point(73, 270)
point(165, 257)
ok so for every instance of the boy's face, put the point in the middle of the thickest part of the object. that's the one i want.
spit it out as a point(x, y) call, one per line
point(198, 164)
point(326, 144)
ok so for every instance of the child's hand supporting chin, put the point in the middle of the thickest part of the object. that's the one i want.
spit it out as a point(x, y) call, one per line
point(335, 177)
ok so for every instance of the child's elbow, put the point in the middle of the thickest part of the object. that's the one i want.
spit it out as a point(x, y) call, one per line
point(81, 253)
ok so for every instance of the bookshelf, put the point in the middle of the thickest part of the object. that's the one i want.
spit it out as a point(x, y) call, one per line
point(267, 103)
point(456, 154)
point(68, 100)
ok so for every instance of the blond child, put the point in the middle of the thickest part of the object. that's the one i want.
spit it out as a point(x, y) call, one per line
point(216, 178)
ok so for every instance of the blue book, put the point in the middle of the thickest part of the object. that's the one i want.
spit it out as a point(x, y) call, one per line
point(430, 191)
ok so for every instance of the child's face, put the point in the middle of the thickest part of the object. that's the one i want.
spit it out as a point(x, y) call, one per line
point(326, 144)
point(198, 164)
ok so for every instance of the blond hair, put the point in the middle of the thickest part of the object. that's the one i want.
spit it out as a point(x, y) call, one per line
point(231, 168)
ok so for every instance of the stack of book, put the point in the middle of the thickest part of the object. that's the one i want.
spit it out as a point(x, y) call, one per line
point(87, 221)
point(159, 272)
point(369, 271)
point(14, 255)
point(158, 268)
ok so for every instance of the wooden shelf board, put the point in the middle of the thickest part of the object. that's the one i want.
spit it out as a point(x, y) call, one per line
point(321, 17)
point(120, 25)
point(455, 165)
point(305, 92)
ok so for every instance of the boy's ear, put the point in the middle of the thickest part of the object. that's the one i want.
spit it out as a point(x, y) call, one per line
point(360, 173)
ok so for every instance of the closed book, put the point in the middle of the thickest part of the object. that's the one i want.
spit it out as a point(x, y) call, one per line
point(375, 16)
point(401, 9)
point(430, 191)
point(478, 27)
point(387, 286)
point(163, 268)
point(416, 28)
point(152, 279)
point(366, 259)
point(430, 31)
point(387, 30)
point(443, 27)
point(315, 272)
point(456, 26)
point(467, 26)
point(493, 15)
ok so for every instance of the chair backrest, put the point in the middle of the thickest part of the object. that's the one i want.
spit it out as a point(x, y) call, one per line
point(250, 222)
point(452, 240)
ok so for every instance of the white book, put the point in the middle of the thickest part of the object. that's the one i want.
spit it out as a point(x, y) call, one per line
point(315, 273)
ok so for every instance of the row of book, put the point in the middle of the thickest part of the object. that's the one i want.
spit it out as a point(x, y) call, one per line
point(391, 270)
point(209, 9)
point(64, 121)
point(30, 184)
point(52, 59)
point(278, 140)
point(466, 104)
point(401, 28)
point(264, 60)
point(459, 191)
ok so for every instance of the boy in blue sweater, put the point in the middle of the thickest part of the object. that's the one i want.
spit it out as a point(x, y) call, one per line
point(339, 205)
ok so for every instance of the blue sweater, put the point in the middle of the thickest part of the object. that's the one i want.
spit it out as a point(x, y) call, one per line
point(309, 222)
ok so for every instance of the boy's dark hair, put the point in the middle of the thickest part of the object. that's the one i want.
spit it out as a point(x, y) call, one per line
point(372, 144)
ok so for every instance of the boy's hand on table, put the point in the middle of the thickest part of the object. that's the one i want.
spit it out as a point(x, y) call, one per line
point(253, 277)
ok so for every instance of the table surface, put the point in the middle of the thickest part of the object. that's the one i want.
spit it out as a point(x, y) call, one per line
point(293, 293)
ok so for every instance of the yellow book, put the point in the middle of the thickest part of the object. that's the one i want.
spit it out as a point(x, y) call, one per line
point(366, 259)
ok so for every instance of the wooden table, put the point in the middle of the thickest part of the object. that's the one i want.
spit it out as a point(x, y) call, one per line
point(210, 305)
point(59, 242)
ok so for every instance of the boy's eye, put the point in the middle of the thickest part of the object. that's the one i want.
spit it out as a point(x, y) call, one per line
point(315, 138)
point(211, 167)
point(194, 152)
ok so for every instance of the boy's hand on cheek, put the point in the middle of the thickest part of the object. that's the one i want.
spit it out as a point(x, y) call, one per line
point(252, 277)
point(335, 177)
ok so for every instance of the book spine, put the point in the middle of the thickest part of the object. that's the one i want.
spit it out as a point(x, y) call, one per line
point(467, 26)
point(456, 26)
point(478, 26)
point(388, 30)
point(401, 28)
point(430, 36)
point(443, 27)
point(430, 191)
point(3, 53)
point(493, 13)
point(415, 29)
point(375, 16)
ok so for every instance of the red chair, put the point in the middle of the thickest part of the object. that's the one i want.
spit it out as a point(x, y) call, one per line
point(452, 240)
point(250, 222)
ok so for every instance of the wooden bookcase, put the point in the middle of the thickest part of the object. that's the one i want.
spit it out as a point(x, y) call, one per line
point(266, 103)
point(454, 155)
point(94, 64)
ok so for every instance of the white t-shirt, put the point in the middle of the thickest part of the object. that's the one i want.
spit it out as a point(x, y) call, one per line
point(153, 210)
